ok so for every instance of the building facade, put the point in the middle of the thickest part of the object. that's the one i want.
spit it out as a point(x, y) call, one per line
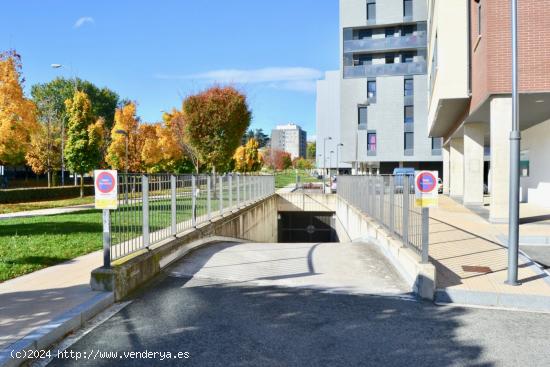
point(470, 106)
point(291, 139)
point(383, 86)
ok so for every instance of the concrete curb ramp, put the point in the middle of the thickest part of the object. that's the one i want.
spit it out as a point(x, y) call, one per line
point(46, 335)
point(519, 302)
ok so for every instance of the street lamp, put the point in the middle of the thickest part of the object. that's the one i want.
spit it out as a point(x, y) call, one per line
point(515, 139)
point(125, 133)
point(58, 66)
point(330, 163)
point(337, 159)
point(325, 160)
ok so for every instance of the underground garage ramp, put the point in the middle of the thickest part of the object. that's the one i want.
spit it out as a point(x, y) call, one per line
point(294, 227)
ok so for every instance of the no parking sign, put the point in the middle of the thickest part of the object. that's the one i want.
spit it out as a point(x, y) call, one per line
point(106, 189)
point(425, 189)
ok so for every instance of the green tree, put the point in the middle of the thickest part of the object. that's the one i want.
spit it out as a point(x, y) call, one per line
point(83, 150)
point(311, 150)
point(216, 119)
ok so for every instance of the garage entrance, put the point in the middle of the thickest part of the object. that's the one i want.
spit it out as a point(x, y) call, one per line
point(306, 227)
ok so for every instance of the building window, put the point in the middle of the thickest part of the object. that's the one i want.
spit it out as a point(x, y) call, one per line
point(409, 114)
point(479, 18)
point(371, 89)
point(409, 87)
point(524, 163)
point(371, 10)
point(436, 146)
point(371, 142)
point(362, 60)
point(407, 9)
point(390, 32)
point(362, 118)
point(390, 58)
point(407, 30)
point(409, 142)
point(407, 57)
point(360, 34)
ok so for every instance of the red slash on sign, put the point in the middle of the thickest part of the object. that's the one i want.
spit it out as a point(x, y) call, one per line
point(426, 182)
point(105, 182)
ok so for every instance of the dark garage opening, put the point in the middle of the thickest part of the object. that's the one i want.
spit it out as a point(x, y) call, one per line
point(307, 227)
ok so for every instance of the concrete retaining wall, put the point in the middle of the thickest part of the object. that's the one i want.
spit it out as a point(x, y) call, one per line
point(358, 227)
point(257, 222)
point(298, 201)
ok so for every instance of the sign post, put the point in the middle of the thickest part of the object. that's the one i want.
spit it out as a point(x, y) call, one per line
point(106, 195)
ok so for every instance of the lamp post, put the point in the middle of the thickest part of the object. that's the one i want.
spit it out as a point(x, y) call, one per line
point(330, 163)
point(125, 133)
point(57, 66)
point(325, 160)
point(337, 159)
point(515, 139)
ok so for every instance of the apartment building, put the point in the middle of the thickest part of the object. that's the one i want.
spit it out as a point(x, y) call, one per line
point(383, 87)
point(470, 105)
point(289, 138)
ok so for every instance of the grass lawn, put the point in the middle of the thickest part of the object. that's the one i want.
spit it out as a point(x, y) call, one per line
point(284, 178)
point(19, 207)
point(29, 244)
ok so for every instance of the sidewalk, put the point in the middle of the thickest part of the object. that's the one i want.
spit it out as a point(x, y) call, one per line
point(34, 213)
point(471, 263)
point(37, 306)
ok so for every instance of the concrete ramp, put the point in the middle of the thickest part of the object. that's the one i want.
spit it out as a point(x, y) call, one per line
point(357, 268)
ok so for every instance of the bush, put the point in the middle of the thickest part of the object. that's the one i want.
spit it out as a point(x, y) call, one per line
point(12, 196)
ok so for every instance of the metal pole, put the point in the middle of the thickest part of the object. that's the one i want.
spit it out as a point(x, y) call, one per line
point(230, 178)
point(425, 234)
point(515, 139)
point(173, 203)
point(63, 152)
point(392, 203)
point(238, 191)
point(145, 209)
point(208, 196)
point(324, 163)
point(193, 201)
point(405, 226)
point(221, 195)
point(106, 239)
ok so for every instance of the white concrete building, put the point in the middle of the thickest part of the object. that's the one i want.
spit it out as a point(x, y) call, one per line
point(289, 138)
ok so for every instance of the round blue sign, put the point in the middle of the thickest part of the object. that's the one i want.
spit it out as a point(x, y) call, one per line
point(105, 182)
point(426, 182)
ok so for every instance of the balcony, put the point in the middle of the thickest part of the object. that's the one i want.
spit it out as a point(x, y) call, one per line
point(418, 40)
point(372, 70)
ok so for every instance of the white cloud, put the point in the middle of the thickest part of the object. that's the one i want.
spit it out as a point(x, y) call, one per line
point(82, 21)
point(289, 78)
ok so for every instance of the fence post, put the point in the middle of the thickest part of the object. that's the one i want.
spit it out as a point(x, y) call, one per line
point(405, 227)
point(425, 234)
point(173, 206)
point(230, 178)
point(221, 194)
point(193, 201)
point(392, 204)
point(238, 191)
point(208, 196)
point(106, 239)
point(145, 209)
point(381, 211)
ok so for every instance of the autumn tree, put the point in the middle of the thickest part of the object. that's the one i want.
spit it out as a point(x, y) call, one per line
point(126, 126)
point(277, 159)
point(302, 163)
point(83, 141)
point(216, 119)
point(43, 155)
point(311, 150)
point(17, 113)
point(247, 158)
point(175, 123)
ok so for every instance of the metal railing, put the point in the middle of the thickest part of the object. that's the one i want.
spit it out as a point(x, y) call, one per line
point(405, 68)
point(390, 200)
point(155, 207)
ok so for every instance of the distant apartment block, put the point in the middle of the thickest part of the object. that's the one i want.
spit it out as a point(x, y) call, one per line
point(470, 107)
point(290, 138)
point(383, 88)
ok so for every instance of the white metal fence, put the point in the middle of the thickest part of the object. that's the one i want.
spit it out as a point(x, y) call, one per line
point(390, 200)
point(155, 207)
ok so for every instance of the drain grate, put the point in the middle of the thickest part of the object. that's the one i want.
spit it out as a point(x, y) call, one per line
point(476, 269)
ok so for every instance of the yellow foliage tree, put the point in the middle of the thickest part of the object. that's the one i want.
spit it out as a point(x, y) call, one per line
point(126, 126)
point(44, 153)
point(17, 113)
point(247, 158)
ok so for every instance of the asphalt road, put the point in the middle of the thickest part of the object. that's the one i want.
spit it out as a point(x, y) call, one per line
point(210, 307)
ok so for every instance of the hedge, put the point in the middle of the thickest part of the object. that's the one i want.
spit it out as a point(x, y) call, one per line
point(25, 195)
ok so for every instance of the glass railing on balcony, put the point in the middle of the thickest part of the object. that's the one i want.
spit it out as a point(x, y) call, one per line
point(362, 71)
point(417, 40)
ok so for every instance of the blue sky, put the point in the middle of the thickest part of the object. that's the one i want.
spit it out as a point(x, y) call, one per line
point(157, 52)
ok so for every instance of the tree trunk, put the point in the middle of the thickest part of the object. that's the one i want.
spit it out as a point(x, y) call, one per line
point(49, 174)
point(81, 185)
